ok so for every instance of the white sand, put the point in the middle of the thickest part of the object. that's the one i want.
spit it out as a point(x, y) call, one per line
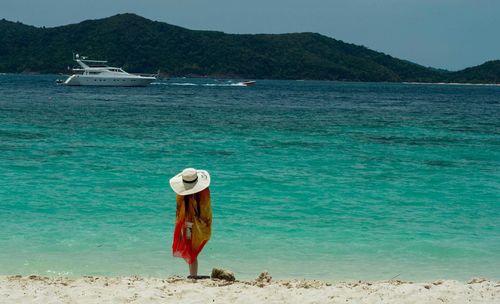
point(36, 289)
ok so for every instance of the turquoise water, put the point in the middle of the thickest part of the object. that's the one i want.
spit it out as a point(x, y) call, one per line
point(324, 180)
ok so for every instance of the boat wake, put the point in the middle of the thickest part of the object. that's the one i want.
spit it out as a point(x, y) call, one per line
point(239, 84)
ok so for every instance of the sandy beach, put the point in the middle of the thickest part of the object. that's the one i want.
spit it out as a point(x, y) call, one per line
point(38, 289)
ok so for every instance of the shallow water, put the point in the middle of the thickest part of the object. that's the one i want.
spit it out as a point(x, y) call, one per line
point(324, 180)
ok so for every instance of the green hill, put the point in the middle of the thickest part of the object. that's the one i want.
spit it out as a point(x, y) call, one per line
point(142, 45)
point(489, 71)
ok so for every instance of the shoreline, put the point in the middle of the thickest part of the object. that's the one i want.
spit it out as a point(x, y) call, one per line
point(454, 83)
point(135, 289)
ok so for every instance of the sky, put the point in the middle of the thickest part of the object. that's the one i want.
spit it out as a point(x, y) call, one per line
point(448, 34)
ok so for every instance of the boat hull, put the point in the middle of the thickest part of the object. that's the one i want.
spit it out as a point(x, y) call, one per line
point(86, 80)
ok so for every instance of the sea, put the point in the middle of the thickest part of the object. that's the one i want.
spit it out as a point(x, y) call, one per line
point(310, 179)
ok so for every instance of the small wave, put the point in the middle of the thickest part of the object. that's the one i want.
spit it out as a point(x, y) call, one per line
point(174, 83)
point(183, 84)
point(239, 84)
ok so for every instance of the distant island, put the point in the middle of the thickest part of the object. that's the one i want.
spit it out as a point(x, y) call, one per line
point(139, 44)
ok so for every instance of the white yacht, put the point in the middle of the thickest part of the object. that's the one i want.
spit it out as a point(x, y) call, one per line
point(98, 73)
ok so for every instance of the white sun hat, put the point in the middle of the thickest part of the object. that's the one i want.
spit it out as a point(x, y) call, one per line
point(190, 181)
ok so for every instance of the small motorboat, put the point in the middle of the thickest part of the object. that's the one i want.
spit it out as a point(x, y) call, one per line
point(248, 83)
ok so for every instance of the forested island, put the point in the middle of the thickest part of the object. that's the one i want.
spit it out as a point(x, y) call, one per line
point(141, 45)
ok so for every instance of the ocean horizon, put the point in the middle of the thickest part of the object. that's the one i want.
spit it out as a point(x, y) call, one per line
point(310, 179)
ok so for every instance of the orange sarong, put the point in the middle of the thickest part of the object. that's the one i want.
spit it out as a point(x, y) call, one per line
point(199, 212)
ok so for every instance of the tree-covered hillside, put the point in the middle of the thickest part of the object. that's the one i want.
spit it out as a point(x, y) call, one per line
point(489, 71)
point(142, 45)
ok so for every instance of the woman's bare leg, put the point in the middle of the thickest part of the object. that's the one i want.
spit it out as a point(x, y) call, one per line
point(193, 268)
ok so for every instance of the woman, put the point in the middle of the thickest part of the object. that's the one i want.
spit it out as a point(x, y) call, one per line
point(193, 219)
